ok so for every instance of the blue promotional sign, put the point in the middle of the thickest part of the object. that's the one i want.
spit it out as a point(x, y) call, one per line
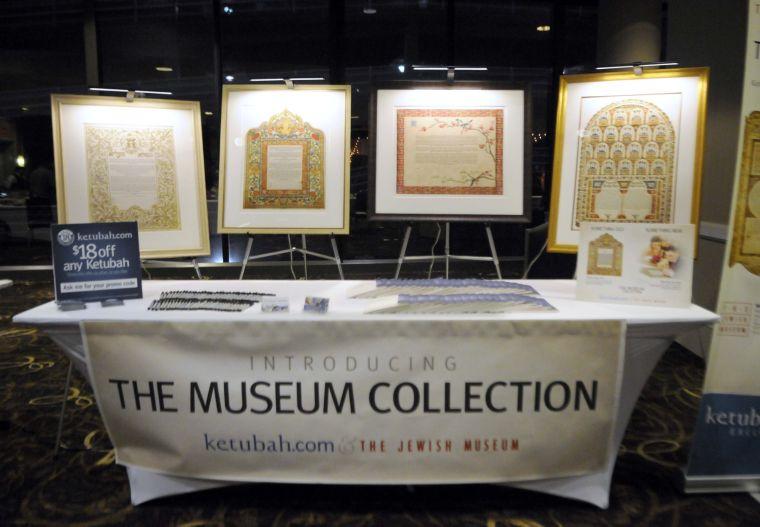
point(727, 436)
point(96, 261)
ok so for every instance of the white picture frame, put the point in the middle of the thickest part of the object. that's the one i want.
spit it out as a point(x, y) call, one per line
point(507, 200)
point(322, 109)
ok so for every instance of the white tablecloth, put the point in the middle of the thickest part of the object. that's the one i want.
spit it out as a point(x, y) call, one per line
point(650, 332)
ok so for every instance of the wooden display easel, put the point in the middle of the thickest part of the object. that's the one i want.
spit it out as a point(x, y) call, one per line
point(291, 250)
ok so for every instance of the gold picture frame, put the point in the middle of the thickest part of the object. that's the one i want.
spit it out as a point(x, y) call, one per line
point(228, 198)
point(605, 256)
point(152, 142)
point(660, 183)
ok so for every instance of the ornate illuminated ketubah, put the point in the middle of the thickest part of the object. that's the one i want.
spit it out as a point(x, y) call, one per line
point(745, 243)
point(449, 151)
point(132, 175)
point(284, 164)
point(626, 165)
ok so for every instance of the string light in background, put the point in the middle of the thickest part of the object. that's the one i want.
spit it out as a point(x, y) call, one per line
point(354, 149)
point(537, 136)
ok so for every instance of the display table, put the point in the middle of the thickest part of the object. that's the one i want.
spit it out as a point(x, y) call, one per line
point(650, 331)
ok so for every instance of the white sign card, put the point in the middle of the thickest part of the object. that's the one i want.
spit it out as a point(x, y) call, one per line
point(636, 263)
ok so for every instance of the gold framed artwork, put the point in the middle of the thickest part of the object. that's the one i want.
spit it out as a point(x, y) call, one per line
point(745, 241)
point(140, 161)
point(284, 159)
point(628, 149)
point(449, 152)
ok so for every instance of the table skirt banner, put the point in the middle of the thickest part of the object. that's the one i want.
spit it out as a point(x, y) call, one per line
point(382, 401)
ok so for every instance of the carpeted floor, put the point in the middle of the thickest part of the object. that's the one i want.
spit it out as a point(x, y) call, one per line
point(84, 487)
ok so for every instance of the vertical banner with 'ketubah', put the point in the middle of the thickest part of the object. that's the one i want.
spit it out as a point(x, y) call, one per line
point(725, 453)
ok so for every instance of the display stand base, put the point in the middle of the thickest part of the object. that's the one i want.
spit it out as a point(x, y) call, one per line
point(71, 305)
point(169, 263)
point(291, 250)
point(447, 256)
point(713, 484)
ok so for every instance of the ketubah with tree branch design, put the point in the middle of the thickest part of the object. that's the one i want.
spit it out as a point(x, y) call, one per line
point(431, 161)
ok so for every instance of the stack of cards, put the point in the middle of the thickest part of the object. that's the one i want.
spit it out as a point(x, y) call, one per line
point(459, 304)
point(439, 286)
point(229, 301)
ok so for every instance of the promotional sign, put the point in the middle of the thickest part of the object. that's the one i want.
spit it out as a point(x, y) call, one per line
point(725, 453)
point(96, 261)
point(636, 263)
point(359, 402)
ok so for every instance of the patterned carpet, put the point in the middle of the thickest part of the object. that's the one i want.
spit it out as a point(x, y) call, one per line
point(84, 487)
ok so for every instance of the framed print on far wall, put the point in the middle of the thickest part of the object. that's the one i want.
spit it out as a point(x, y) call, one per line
point(449, 152)
point(141, 161)
point(628, 149)
point(284, 159)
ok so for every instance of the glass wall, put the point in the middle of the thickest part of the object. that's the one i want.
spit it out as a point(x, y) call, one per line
point(192, 47)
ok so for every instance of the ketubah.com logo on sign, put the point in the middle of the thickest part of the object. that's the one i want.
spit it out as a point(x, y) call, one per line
point(65, 237)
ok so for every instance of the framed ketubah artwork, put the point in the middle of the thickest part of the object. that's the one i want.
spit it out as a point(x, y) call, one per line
point(628, 149)
point(284, 159)
point(449, 152)
point(142, 161)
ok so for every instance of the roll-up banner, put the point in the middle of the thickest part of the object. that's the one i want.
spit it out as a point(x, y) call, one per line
point(725, 453)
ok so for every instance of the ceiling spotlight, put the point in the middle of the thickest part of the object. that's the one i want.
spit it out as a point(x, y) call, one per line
point(368, 9)
point(20, 161)
point(543, 29)
point(401, 68)
point(165, 69)
point(228, 10)
point(24, 109)
point(208, 113)
point(229, 78)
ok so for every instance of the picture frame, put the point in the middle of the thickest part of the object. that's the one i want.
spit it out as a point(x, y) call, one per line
point(139, 160)
point(628, 148)
point(406, 188)
point(284, 159)
point(605, 256)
